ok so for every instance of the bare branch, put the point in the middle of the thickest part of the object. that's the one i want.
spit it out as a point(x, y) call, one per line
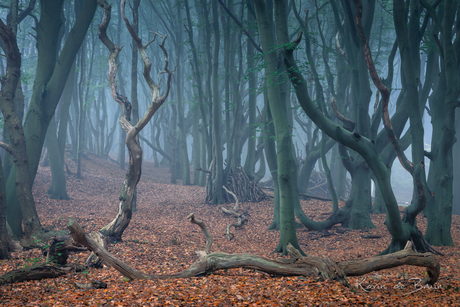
point(113, 66)
point(347, 124)
point(257, 47)
point(156, 99)
point(235, 207)
point(339, 48)
point(321, 267)
point(205, 230)
point(408, 165)
point(27, 11)
point(7, 147)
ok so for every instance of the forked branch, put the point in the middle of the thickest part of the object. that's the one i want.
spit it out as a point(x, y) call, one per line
point(321, 267)
point(384, 91)
point(156, 99)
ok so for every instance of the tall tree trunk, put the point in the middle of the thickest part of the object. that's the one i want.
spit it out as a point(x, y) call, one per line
point(198, 75)
point(249, 164)
point(82, 108)
point(48, 86)
point(283, 133)
point(18, 141)
point(4, 249)
point(217, 194)
point(58, 188)
point(183, 152)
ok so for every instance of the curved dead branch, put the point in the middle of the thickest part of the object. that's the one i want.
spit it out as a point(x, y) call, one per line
point(235, 207)
point(321, 267)
point(384, 91)
point(205, 231)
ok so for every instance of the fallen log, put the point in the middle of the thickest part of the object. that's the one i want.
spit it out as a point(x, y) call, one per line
point(37, 272)
point(321, 267)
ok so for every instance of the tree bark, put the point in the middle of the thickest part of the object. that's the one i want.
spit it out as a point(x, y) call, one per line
point(297, 265)
point(23, 184)
point(218, 174)
point(116, 228)
point(48, 86)
point(282, 131)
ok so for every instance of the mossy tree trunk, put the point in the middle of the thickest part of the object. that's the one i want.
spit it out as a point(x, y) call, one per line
point(218, 161)
point(18, 148)
point(443, 118)
point(4, 249)
point(49, 83)
point(58, 189)
point(282, 130)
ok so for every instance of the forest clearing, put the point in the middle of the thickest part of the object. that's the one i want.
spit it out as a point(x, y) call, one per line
point(160, 239)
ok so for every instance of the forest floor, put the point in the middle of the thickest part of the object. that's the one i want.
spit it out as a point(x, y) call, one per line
point(161, 240)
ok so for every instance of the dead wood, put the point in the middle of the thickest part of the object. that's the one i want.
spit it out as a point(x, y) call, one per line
point(58, 249)
point(241, 186)
point(37, 272)
point(320, 267)
point(240, 221)
point(241, 218)
point(94, 261)
point(94, 284)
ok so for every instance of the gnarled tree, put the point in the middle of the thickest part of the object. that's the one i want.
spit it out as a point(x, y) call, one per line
point(116, 228)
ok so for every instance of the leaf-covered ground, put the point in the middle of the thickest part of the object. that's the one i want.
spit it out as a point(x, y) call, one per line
point(161, 240)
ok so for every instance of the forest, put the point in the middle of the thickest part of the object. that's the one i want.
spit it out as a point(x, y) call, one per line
point(221, 152)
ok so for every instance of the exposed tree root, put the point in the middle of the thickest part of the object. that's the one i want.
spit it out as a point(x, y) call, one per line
point(321, 267)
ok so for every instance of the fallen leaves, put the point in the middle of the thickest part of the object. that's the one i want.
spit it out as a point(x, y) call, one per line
point(161, 240)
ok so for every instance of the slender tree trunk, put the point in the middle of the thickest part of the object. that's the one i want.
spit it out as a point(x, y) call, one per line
point(249, 164)
point(82, 109)
point(58, 189)
point(4, 249)
point(283, 133)
point(217, 195)
point(183, 152)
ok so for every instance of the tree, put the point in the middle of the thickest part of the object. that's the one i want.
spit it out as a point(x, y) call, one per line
point(116, 228)
point(218, 160)
point(283, 134)
point(4, 248)
point(49, 83)
point(442, 106)
point(18, 141)
point(400, 230)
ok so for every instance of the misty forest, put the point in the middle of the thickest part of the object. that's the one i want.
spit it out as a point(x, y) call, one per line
point(221, 152)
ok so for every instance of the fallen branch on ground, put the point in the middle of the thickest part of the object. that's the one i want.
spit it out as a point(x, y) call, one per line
point(241, 218)
point(321, 267)
point(37, 272)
